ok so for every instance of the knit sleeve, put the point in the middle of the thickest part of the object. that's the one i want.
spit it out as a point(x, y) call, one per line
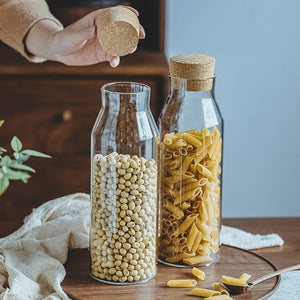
point(17, 17)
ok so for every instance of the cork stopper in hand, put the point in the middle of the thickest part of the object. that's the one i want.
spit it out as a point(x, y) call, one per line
point(118, 31)
point(195, 68)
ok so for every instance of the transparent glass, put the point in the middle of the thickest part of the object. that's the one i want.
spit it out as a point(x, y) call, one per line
point(124, 186)
point(190, 177)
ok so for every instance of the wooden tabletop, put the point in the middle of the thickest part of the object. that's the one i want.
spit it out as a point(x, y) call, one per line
point(78, 283)
point(79, 286)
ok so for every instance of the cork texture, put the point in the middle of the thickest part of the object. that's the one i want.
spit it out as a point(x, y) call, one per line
point(197, 69)
point(118, 31)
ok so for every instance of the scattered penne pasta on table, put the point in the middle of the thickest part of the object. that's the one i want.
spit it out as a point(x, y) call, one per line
point(182, 283)
point(190, 193)
point(198, 273)
point(204, 292)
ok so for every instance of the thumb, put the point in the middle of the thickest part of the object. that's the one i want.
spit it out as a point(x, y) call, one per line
point(80, 35)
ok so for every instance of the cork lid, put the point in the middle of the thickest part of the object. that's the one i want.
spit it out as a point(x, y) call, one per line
point(197, 69)
point(118, 30)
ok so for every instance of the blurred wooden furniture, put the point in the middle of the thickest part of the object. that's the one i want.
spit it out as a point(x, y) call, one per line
point(52, 108)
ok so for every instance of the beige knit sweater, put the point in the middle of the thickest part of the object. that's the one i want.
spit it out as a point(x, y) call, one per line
point(17, 17)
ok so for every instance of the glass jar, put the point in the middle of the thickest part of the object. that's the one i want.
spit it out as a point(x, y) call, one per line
point(190, 179)
point(124, 186)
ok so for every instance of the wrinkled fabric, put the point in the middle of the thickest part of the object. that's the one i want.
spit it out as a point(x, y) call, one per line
point(32, 258)
point(248, 241)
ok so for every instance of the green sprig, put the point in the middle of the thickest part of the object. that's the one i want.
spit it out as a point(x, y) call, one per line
point(12, 166)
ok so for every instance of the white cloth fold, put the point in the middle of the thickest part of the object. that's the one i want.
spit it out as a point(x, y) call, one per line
point(248, 241)
point(32, 258)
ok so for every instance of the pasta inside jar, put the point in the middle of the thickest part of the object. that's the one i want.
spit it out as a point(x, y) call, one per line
point(190, 166)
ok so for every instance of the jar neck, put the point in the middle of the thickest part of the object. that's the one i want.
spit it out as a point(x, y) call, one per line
point(121, 97)
point(182, 85)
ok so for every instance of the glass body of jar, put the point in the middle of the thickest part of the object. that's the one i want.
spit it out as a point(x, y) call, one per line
point(190, 178)
point(124, 186)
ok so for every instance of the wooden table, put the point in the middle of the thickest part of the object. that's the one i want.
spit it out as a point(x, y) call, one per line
point(78, 284)
point(77, 279)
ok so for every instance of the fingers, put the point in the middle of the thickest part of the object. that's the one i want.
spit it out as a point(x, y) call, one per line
point(131, 8)
point(142, 33)
point(115, 61)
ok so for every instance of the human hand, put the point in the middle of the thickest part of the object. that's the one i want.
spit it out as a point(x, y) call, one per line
point(75, 45)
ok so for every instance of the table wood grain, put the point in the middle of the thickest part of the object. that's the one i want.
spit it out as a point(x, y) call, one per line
point(79, 285)
point(281, 257)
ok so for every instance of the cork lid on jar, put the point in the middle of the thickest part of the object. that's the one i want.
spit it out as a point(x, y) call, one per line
point(118, 30)
point(197, 69)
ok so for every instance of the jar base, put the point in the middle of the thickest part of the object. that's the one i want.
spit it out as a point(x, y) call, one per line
point(181, 265)
point(121, 283)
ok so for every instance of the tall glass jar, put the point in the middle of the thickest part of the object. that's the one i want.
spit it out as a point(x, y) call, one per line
point(124, 186)
point(190, 178)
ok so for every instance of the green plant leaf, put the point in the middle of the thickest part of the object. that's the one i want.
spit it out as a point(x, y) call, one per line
point(5, 169)
point(16, 144)
point(17, 175)
point(21, 157)
point(4, 183)
point(35, 153)
point(1, 122)
point(2, 150)
point(19, 166)
point(6, 161)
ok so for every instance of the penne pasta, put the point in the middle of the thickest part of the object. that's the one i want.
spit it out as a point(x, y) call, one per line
point(220, 288)
point(204, 292)
point(205, 172)
point(182, 283)
point(185, 205)
point(169, 138)
point(197, 259)
point(178, 213)
point(172, 250)
point(190, 139)
point(197, 241)
point(190, 187)
point(219, 297)
point(245, 277)
point(186, 224)
point(198, 273)
point(179, 143)
point(186, 164)
point(179, 257)
point(190, 193)
point(233, 281)
point(192, 236)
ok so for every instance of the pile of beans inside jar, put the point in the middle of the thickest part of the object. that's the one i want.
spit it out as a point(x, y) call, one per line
point(123, 228)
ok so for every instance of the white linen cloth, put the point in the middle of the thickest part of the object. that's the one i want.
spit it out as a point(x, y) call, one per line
point(288, 287)
point(248, 241)
point(32, 258)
